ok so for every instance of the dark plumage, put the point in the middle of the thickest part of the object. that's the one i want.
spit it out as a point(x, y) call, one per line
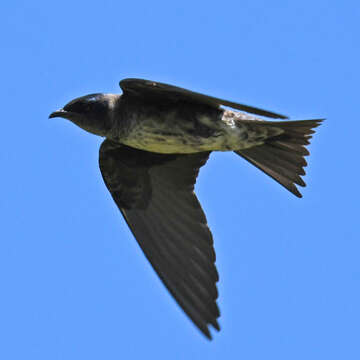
point(157, 138)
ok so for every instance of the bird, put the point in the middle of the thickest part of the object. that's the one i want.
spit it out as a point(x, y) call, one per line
point(157, 137)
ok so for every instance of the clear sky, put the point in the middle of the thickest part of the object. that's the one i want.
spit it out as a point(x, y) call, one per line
point(74, 283)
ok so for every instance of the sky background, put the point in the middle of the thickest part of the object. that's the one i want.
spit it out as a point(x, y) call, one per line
point(74, 283)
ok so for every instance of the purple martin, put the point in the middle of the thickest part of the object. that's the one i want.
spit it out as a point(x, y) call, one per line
point(157, 136)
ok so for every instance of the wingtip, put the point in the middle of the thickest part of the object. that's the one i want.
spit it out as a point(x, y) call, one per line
point(284, 117)
point(206, 331)
point(216, 325)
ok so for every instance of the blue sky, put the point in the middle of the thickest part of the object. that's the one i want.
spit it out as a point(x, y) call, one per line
point(74, 283)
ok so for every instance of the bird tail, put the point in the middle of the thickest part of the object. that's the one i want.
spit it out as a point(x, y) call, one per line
point(282, 157)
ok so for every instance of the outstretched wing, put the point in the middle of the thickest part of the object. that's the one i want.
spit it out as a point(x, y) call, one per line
point(155, 193)
point(159, 91)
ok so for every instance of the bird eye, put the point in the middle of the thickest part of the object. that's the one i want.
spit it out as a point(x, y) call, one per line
point(77, 107)
point(83, 104)
point(92, 98)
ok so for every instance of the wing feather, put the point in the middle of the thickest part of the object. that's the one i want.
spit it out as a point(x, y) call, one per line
point(167, 221)
point(161, 92)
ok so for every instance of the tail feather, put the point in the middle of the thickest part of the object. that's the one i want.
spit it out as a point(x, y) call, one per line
point(282, 156)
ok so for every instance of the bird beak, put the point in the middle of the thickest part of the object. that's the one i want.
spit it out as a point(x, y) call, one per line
point(57, 113)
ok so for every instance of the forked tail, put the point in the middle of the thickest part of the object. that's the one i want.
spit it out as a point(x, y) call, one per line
point(282, 157)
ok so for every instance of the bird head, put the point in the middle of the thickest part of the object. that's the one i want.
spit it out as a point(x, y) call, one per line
point(91, 112)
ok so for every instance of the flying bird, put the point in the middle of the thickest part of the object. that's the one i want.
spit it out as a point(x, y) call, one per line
point(157, 137)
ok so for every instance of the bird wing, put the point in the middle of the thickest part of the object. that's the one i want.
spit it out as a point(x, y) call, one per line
point(155, 194)
point(148, 89)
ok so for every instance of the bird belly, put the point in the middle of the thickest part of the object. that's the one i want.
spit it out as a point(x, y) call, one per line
point(201, 133)
point(168, 141)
